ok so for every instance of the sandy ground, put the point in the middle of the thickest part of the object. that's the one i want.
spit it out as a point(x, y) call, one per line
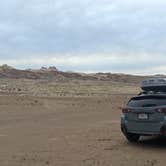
point(70, 131)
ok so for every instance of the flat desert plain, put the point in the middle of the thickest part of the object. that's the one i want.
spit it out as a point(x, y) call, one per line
point(70, 124)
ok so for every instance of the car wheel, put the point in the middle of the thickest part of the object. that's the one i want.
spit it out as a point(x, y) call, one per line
point(132, 137)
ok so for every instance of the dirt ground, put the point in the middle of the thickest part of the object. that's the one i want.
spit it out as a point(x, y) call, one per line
point(70, 131)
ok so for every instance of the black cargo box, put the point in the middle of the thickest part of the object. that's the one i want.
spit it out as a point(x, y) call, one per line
point(154, 84)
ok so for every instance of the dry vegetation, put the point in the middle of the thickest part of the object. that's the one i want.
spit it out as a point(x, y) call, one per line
point(65, 88)
point(52, 82)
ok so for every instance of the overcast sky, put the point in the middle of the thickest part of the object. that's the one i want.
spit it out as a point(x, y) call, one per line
point(126, 36)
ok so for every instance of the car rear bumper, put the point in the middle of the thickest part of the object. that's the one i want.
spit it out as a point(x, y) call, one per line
point(143, 128)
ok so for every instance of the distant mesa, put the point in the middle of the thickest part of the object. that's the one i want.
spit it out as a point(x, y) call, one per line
point(43, 68)
point(6, 67)
point(53, 73)
point(51, 68)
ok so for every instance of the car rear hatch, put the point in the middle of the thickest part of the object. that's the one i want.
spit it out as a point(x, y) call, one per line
point(144, 108)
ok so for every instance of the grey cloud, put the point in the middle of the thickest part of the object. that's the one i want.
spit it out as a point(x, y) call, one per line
point(70, 27)
point(38, 27)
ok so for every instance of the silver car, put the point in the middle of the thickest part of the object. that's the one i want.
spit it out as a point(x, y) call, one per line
point(144, 114)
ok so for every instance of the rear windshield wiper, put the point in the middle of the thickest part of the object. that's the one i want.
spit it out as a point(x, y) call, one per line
point(149, 105)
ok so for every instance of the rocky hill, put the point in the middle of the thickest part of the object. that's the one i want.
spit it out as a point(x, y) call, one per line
point(52, 82)
point(53, 73)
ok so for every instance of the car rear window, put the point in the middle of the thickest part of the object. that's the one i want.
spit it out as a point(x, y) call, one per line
point(147, 101)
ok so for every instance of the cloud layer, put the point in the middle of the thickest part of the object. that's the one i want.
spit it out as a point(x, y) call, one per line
point(116, 36)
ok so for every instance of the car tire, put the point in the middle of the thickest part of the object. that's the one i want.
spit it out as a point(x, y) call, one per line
point(132, 137)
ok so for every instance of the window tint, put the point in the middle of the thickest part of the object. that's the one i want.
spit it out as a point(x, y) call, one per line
point(147, 101)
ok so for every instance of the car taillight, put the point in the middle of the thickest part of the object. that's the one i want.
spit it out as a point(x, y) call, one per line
point(126, 110)
point(160, 110)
